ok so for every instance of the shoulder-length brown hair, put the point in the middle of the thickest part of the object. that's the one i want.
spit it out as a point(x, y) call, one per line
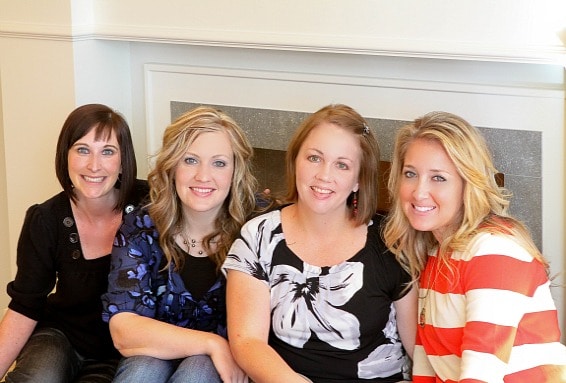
point(348, 119)
point(104, 121)
point(165, 206)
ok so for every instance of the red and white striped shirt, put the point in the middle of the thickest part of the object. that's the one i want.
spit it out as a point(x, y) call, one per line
point(490, 317)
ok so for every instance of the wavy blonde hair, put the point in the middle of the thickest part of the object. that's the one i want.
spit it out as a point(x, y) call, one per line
point(485, 204)
point(165, 206)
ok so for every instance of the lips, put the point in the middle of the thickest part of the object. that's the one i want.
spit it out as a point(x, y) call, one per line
point(321, 191)
point(423, 209)
point(202, 190)
point(93, 179)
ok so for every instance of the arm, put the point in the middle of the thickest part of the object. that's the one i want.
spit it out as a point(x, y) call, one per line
point(248, 304)
point(34, 280)
point(134, 334)
point(406, 308)
point(130, 305)
point(15, 330)
point(503, 288)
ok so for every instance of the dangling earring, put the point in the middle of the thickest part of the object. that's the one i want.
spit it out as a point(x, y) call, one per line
point(355, 203)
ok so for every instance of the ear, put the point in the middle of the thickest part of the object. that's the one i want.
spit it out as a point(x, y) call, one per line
point(356, 187)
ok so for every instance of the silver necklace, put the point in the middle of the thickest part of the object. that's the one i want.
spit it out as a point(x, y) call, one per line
point(190, 242)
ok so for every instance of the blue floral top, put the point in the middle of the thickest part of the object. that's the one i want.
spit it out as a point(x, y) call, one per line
point(334, 323)
point(138, 284)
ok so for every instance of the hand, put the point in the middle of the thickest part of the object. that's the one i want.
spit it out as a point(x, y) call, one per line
point(225, 364)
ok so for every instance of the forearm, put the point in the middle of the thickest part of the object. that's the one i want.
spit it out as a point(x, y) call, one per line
point(406, 309)
point(15, 330)
point(262, 363)
point(137, 335)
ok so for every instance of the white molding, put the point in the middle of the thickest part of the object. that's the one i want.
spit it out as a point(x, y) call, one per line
point(302, 42)
point(168, 82)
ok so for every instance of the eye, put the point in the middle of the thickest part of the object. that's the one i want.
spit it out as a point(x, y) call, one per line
point(439, 179)
point(314, 158)
point(342, 166)
point(108, 152)
point(190, 160)
point(219, 163)
point(83, 150)
point(409, 174)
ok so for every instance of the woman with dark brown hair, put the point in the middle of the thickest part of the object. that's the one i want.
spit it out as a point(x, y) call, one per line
point(53, 327)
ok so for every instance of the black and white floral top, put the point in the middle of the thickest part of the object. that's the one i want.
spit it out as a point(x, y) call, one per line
point(331, 324)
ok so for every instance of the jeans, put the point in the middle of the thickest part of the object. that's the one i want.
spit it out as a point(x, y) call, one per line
point(48, 357)
point(146, 369)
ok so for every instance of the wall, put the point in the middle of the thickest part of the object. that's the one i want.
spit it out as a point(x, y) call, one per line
point(391, 60)
point(5, 272)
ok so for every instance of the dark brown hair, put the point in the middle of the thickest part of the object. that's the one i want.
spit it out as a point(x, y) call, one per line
point(105, 121)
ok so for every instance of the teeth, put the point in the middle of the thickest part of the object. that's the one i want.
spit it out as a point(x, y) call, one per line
point(322, 191)
point(202, 190)
point(93, 179)
point(423, 208)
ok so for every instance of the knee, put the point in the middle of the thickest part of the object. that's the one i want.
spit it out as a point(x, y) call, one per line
point(198, 368)
point(141, 368)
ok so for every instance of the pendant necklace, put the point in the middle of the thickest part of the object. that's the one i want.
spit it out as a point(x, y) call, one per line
point(431, 283)
point(190, 242)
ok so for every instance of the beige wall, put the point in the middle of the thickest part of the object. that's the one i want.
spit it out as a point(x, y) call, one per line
point(5, 270)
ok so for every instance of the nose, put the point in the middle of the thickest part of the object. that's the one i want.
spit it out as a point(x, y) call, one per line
point(202, 173)
point(93, 163)
point(324, 173)
point(421, 190)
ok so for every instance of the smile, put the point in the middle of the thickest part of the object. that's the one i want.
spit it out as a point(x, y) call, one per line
point(321, 191)
point(93, 179)
point(202, 190)
point(423, 209)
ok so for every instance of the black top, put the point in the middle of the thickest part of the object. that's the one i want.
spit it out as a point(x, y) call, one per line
point(49, 255)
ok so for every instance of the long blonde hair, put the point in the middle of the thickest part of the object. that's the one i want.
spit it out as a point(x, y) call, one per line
point(165, 206)
point(485, 204)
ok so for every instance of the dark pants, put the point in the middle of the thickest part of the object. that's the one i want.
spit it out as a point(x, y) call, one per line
point(48, 357)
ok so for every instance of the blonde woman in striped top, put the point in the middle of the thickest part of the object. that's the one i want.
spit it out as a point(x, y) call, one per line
point(485, 308)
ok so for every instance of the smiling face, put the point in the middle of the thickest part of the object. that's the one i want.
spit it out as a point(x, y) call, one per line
point(431, 190)
point(203, 176)
point(94, 165)
point(327, 169)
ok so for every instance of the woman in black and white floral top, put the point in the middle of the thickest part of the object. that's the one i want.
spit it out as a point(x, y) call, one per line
point(312, 292)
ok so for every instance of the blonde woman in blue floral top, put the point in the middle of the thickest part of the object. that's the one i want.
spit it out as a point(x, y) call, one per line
point(166, 296)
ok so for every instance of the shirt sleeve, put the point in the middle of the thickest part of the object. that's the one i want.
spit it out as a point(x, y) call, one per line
point(503, 286)
point(132, 282)
point(244, 255)
point(389, 271)
point(422, 369)
point(36, 275)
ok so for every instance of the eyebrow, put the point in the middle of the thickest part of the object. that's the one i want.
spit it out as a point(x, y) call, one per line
point(322, 153)
point(86, 144)
point(228, 156)
point(428, 170)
